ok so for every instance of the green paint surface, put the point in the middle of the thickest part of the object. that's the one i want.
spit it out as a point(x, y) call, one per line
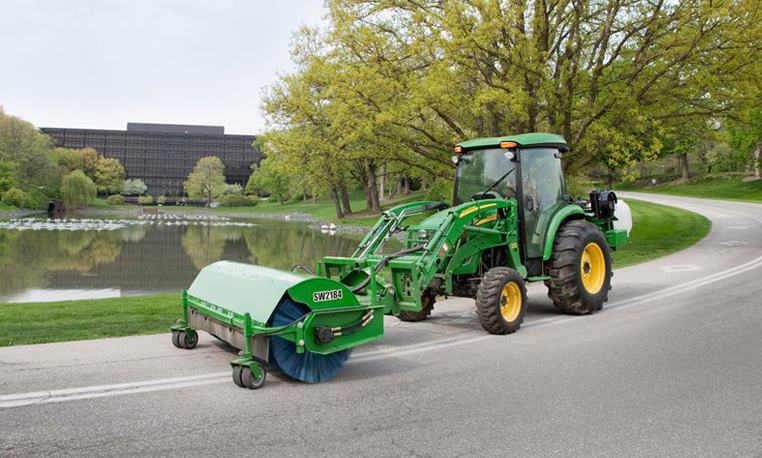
point(538, 138)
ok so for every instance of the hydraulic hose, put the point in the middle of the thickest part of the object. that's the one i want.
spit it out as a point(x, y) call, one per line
point(302, 267)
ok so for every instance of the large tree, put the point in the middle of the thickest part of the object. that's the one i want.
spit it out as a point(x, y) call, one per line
point(77, 190)
point(268, 177)
point(32, 154)
point(109, 175)
point(206, 181)
point(403, 81)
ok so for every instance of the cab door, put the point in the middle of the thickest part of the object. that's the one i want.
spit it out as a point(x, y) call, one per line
point(543, 193)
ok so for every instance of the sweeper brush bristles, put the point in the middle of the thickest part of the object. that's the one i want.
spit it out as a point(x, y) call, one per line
point(307, 367)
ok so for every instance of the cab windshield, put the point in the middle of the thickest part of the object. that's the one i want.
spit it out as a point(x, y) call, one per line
point(479, 169)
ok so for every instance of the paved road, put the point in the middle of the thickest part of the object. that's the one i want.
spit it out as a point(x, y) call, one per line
point(671, 367)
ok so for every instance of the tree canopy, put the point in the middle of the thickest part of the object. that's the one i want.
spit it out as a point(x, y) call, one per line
point(207, 181)
point(109, 175)
point(398, 83)
point(77, 190)
point(134, 186)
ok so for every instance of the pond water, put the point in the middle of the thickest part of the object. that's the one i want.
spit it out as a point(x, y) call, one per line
point(49, 260)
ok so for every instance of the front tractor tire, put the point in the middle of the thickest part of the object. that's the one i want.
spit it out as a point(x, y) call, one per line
point(579, 268)
point(501, 301)
point(427, 303)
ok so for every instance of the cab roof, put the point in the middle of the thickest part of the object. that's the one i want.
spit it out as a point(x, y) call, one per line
point(530, 139)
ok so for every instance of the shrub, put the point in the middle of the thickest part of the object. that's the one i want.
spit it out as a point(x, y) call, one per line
point(145, 200)
point(18, 198)
point(116, 199)
point(161, 200)
point(39, 200)
point(238, 200)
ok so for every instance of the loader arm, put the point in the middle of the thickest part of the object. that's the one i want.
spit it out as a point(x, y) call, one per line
point(400, 280)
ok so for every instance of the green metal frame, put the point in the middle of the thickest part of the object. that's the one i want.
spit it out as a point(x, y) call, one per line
point(454, 242)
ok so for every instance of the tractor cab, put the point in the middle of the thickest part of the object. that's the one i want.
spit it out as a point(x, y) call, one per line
point(525, 167)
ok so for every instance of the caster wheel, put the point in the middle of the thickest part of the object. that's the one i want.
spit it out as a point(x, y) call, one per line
point(250, 381)
point(237, 372)
point(188, 340)
point(176, 339)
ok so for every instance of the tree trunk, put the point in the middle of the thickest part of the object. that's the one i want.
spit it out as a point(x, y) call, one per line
point(757, 165)
point(336, 203)
point(405, 185)
point(345, 198)
point(372, 190)
point(682, 159)
point(382, 184)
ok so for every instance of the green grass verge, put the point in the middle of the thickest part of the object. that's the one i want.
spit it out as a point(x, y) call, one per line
point(6, 208)
point(658, 231)
point(726, 188)
point(31, 323)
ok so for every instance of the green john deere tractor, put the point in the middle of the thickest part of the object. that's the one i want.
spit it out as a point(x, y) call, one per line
point(511, 221)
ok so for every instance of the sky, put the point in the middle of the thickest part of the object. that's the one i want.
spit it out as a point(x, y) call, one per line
point(102, 63)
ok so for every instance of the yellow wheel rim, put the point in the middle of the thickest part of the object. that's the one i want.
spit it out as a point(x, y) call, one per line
point(510, 301)
point(593, 268)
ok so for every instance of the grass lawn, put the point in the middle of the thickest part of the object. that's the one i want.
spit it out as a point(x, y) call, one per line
point(658, 231)
point(87, 319)
point(102, 204)
point(727, 188)
point(6, 208)
point(323, 209)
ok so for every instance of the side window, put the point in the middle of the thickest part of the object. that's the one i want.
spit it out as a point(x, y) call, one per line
point(543, 190)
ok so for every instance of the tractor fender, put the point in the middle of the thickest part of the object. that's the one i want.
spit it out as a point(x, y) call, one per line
point(568, 212)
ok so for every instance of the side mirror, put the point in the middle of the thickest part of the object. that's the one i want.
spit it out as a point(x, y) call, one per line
point(529, 203)
point(510, 155)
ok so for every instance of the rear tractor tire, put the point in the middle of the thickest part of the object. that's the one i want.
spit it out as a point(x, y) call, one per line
point(579, 269)
point(501, 301)
point(428, 305)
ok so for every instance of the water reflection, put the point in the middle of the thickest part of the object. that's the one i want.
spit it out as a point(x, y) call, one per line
point(45, 265)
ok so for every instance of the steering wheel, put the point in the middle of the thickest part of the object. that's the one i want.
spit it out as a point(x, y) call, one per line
point(487, 195)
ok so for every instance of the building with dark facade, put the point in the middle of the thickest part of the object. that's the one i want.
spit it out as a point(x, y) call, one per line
point(163, 155)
